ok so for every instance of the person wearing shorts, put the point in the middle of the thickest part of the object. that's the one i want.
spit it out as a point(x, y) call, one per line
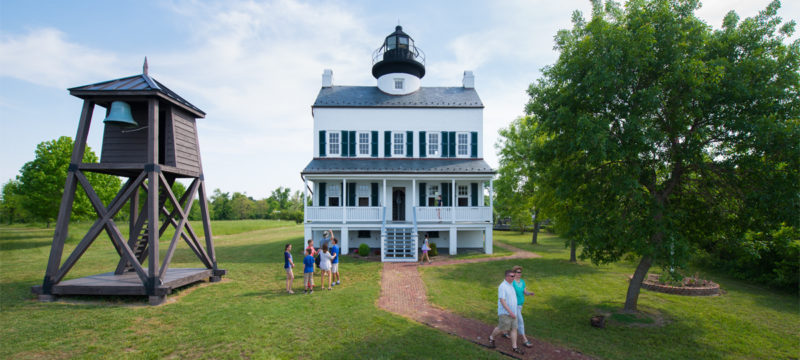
point(288, 264)
point(308, 272)
point(506, 312)
point(325, 258)
point(335, 262)
point(425, 248)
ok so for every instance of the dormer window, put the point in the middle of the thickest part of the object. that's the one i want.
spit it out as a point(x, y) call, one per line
point(398, 84)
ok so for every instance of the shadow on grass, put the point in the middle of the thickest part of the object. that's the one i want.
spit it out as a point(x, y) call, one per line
point(23, 244)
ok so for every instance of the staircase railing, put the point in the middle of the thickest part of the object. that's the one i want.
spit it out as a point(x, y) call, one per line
point(383, 234)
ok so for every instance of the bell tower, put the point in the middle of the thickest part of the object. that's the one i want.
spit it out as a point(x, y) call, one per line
point(398, 65)
point(150, 138)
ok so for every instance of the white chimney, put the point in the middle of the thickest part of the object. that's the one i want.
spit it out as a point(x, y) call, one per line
point(469, 80)
point(327, 78)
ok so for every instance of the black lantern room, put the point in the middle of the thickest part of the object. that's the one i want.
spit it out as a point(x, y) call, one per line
point(398, 55)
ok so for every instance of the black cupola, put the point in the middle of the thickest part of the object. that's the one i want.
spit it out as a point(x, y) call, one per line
point(398, 55)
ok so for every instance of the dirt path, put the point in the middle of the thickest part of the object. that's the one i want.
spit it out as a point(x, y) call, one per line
point(403, 293)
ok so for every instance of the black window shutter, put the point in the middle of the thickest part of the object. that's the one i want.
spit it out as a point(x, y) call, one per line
point(341, 194)
point(409, 144)
point(422, 150)
point(375, 193)
point(374, 140)
point(452, 144)
point(322, 143)
point(344, 144)
point(474, 144)
point(445, 141)
point(474, 188)
point(422, 196)
point(352, 143)
point(351, 194)
point(387, 144)
point(322, 198)
point(445, 194)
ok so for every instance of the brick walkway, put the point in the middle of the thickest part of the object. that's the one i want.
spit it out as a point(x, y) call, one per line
point(403, 293)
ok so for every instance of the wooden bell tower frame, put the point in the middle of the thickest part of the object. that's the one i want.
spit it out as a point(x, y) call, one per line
point(164, 148)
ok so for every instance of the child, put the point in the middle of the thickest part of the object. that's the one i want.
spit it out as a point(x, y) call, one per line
point(325, 265)
point(425, 248)
point(288, 264)
point(308, 272)
point(335, 263)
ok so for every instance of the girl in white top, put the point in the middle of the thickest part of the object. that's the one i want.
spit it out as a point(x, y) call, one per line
point(325, 258)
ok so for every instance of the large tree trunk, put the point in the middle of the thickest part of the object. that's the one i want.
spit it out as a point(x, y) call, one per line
point(572, 246)
point(535, 236)
point(636, 283)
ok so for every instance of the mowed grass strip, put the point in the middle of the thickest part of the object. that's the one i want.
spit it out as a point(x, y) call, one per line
point(247, 315)
point(746, 322)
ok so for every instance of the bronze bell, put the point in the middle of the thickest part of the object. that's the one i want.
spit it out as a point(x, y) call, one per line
point(120, 115)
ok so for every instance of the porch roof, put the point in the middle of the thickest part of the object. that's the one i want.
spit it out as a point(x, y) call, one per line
point(396, 166)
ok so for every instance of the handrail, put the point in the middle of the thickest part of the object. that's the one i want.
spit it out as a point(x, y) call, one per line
point(383, 234)
point(415, 234)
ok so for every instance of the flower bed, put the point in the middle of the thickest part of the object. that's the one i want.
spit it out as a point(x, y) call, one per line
point(689, 286)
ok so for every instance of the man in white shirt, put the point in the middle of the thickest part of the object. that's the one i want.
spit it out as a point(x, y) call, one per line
point(507, 318)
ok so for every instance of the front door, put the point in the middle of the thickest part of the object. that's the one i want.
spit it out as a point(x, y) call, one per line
point(398, 204)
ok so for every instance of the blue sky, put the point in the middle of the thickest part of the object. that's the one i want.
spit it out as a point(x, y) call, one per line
point(255, 66)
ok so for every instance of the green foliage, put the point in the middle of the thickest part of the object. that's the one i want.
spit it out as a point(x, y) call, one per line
point(433, 251)
point(281, 204)
point(41, 182)
point(363, 249)
point(11, 209)
point(661, 133)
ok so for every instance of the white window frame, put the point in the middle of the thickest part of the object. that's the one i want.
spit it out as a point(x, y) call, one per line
point(433, 192)
point(338, 143)
point(398, 145)
point(465, 144)
point(399, 83)
point(333, 191)
point(363, 191)
point(368, 143)
point(433, 146)
point(462, 194)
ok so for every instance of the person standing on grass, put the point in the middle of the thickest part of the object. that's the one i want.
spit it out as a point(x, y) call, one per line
point(425, 248)
point(520, 288)
point(506, 312)
point(325, 265)
point(288, 264)
point(335, 262)
point(308, 271)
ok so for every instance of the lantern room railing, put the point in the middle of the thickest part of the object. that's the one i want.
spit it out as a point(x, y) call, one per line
point(410, 53)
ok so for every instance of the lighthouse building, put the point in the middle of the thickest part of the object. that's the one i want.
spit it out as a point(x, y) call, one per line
point(399, 160)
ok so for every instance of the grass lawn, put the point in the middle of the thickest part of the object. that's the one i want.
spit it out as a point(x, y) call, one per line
point(247, 315)
point(746, 322)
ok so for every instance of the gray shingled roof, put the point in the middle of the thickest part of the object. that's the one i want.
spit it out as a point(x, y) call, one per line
point(396, 166)
point(137, 83)
point(371, 96)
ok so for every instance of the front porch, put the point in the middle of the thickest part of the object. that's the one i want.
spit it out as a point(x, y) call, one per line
point(374, 214)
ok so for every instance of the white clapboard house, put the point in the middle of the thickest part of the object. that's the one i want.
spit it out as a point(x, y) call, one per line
point(396, 161)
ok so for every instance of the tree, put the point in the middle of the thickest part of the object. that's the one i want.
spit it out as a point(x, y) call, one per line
point(221, 206)
point(11, 203)
point(41, 182)
point(659, 130)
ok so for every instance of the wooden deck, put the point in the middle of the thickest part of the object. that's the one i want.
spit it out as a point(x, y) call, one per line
point(126, 284)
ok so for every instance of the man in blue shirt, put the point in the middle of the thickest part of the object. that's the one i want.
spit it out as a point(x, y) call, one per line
point(335, 263)
point(308, 272)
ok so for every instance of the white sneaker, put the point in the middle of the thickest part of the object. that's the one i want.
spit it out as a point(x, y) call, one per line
point(338, 282)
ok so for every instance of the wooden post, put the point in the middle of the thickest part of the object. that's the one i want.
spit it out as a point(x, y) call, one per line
point(152, 168)
point(67, 198)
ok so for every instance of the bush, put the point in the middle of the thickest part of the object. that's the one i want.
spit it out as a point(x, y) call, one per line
point(363, 250)
point(433, 251)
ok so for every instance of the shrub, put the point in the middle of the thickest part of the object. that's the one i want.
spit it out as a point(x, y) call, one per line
point(433, 251)
point(363, 250)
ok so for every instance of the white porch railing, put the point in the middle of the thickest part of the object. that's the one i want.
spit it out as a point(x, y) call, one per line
point(428, 214)
point(334, 213)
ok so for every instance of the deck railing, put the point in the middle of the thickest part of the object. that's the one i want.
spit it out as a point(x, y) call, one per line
point(428, 214)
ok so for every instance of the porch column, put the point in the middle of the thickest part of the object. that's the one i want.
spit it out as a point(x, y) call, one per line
point(305, 200)
point(453, 240)
point(491, 201)
point(384, 195)
point(414, 199)
point(344, 201)
point(307, 234)
point(345, 241)
point(488, 248)
point(453, 199)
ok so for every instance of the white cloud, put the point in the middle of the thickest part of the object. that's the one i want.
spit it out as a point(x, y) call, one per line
point(45, 57)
